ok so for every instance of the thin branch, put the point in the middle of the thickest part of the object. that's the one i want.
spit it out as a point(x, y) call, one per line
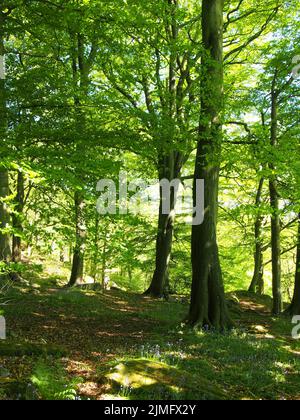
point(283, 253)
point(237, 50)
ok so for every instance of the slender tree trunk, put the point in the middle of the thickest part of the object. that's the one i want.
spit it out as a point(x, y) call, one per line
point(94, 269)
point(104, 258)
point(274, 201)
point(294, 308)
point(5, 249)
point(81, 81)
point(170, 171)
point(257, 284)
point(208, 306)
point(78, 255)
point(17, 218)
point(62, 255)
point(276, 249)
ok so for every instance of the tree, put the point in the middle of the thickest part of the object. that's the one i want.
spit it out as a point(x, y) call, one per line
point(257, 284)
point(5, 246)
point(208, 306)
point(153, 78)
point(274, 200)
point(17, 217)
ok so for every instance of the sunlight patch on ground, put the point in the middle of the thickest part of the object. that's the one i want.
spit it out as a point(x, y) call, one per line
point(139, 377)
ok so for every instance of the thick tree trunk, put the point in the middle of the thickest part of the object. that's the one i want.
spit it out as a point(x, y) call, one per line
point(275, 220)
point(159, 284)
point(17, 219)
point(78, 255)
point(257, 284)
point(294, 308)
point(208, 306)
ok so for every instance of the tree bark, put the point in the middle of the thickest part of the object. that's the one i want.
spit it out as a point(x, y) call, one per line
point(257, 284)
point(274, 201)
point(78, 255)
point(170, 160)
point(81, 81)
point(294, 308)
point(17, 219)
point(208, 306)
point(169, 170)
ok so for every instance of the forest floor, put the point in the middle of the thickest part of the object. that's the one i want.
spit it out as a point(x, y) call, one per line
point(67, 344)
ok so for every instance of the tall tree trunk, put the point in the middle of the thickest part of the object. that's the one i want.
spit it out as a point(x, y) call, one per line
point(5, 249)
point(294, 308)
point(17, 219)
point(257, 284)
point(170, 160)
point(274, 201)
point(208, 306)
point(78, 255)
point(80, 69)
point(168, 170)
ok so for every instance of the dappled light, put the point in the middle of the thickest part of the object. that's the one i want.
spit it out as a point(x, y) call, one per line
point(124, 356)
point(149, 202)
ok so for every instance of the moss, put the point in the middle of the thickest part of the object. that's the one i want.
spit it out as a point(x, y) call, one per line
point(140, 378)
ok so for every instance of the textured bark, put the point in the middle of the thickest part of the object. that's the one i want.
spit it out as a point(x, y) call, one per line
point(294, 308)
point(274, 201)
point(208, 306)
point(257, 284)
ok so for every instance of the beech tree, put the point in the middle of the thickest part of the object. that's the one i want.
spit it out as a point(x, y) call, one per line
point(208, 305)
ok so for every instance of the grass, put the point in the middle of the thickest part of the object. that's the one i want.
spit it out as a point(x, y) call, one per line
point(68, 344)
